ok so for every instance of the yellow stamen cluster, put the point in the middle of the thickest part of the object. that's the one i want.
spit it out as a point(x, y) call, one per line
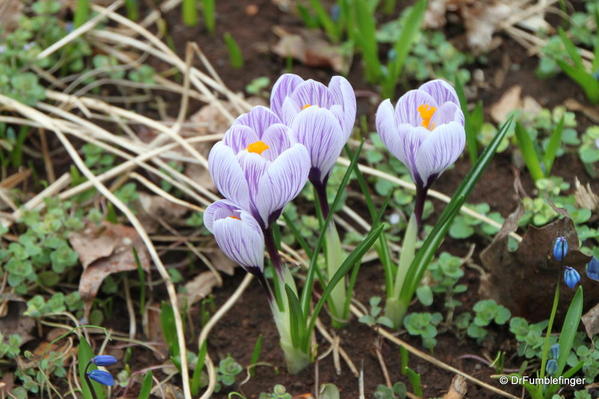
point(257, 147)
point(426, 113)
point(306, 106)
point(234, 217)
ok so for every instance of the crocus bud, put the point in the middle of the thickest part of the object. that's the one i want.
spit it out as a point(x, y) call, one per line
point(102, 377)
point(104, 360)
point(593, 269)
point(571, 277)
point(560, 248)
point(555, 351)
point(551, 367)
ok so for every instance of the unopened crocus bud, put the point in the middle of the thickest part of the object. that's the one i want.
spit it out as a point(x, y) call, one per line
point(551, 366)
point(555, 351)
point(571, 277)
point(560, 248)
point(104, 360)
point(593, 269)
point(102, 377)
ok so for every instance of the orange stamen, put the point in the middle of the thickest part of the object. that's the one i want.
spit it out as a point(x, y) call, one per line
point(258, 147)
point(426, 113)
point(306, 106)
point(234, 217)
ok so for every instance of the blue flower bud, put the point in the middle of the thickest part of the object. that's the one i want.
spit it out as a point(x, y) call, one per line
point(551, 366)
point(593, 269)
point(555, 351)
point(101, 376)
point(104, 360)
point(560, 248)
point(571, 277)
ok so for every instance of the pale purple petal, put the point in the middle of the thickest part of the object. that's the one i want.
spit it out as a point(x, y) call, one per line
point(259, 119)
point(238, 137)
point(219, 210)
point(253, 166)
point(278, 137)
point(441, 91)
point(448, 112)
point(406, 110)
point(402, 140)
point(282, 88)
point(290, 109)
point(311, 92)
point(344, 94)
point(282, 181)
point(439, 150)
point(228, 175)
point(320, 131)
point(241, 240)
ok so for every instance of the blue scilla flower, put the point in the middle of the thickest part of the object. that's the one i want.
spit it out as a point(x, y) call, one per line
point(551, 366)
point(593, 269)
point(555, 351)
point(560, 248)
point(571, 277)
point(104, 360)
point(102, 377)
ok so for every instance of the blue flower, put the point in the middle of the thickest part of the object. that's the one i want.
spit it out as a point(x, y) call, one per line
point(104, 360)
point(551, 367)
point(101, 376)
point(554, 351)
point(571, 277)
point(593, 269)
point(560, 248)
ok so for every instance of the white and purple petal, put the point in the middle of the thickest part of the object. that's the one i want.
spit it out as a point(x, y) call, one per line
point(278, 137)
point(319, 130)
point(448, 112)
point(441, 91)
point(311, 92)
point(345, 96)
point(406, 110)
point(227, 174)
point(259, 119)
point(219, 210)
point(238, 137)
point(283, 88)
point(439, 150)
point(282, 181)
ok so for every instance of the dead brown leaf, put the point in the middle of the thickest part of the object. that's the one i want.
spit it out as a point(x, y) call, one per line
point(222, 262)
point(154, 207)
point(12, 320)
point(200, 287)
point(311, 49)
point(524, 280)
point(591, 321)
point(590, 112)
point(585, 197)
point(510, 101)
point(104, 250)
point(10, 13)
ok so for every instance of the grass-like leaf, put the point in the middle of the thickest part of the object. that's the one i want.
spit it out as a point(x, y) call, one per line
point(235, 54)
point(471, 142)
point(146, 386)
point(555, 142)
point(529, 152)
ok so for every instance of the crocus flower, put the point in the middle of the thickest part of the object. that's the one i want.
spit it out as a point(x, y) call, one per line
point(321, 118)
point(571, 277)
point(258, 165)
point(237, 234)
point(104, 360)
point(592, 269)
point(101, 376)
point(560, 248)
point(425, 131)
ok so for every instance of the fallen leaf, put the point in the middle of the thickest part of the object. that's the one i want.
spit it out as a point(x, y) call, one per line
point(10, 13)
point(154, 207)
point(153, 331)
point(200, 287)
point(104, 250)
point(509, 101)
point(311, 49)
point(590, 320)
point(221, 262)
point(524, 280)
point(7, 383)
point(458, 388)
point(590, 112)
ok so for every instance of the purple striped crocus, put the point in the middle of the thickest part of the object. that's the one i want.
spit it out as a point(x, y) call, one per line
point(237, 234)
point(320, 117)
point(425, 131)
point(258, 165)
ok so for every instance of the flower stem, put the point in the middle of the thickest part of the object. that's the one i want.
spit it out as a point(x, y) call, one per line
point(321, 193)
point(90, 386)
point(419, 205)
point(273, 252)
